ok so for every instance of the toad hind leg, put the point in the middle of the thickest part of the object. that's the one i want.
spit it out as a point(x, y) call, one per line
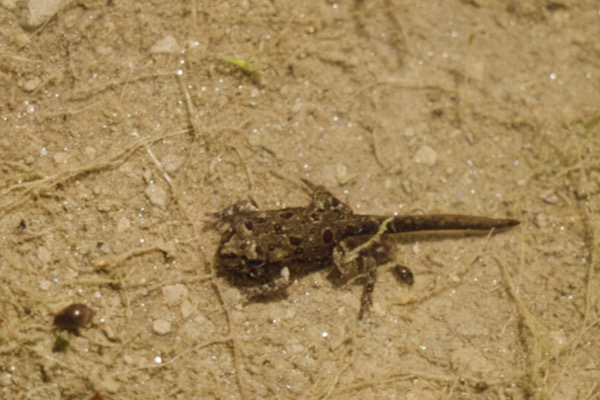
point(242, 206)
point(324, 201)
point(366, 299)
point(222, 218)
point(362, 263)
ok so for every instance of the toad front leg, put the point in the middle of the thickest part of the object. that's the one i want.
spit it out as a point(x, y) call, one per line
point(272, 288)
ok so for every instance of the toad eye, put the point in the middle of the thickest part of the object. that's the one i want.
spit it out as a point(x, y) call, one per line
point(255, 268)
point(254, 264)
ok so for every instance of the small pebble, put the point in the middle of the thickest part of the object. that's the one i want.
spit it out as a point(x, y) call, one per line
point(60, 157)
point(32, 84)
point(426, 155)
point(548, 196)
point(147, 175)
point(540, 220)
point(157, 195)
point(123, 225)
point(90, 152)
point(161, 326)
point(36, 13)
point(409, 131)
point(172, 162)
point(74, 316)
point(167, 45)
point(44, 255)
point(415, 248)
point(174, 294)
point(187, 308)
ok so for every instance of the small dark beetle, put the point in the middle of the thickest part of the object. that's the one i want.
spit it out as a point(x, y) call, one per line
point(74, 317)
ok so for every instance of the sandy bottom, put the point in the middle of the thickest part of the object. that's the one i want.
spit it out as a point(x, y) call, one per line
point(124, 125)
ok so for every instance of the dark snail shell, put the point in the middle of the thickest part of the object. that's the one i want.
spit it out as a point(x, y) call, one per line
point(74, 316)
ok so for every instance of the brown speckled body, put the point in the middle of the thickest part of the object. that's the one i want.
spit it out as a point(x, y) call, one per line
point(262, 251)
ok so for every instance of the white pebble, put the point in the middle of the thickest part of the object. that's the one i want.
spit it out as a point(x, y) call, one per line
point(60, 158)
point(187, 309)
point(90, 152)
point(168, 44)
point(44, 255)
point(32, 84)
point(175, 293)
point(156, 195)
point(171, 162)
point(123, 225)
point(161, 326)
point(548, 196)
point(38, 12)
point(426, 155)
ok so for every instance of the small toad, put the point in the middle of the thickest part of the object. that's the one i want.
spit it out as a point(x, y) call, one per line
point(262, 252)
